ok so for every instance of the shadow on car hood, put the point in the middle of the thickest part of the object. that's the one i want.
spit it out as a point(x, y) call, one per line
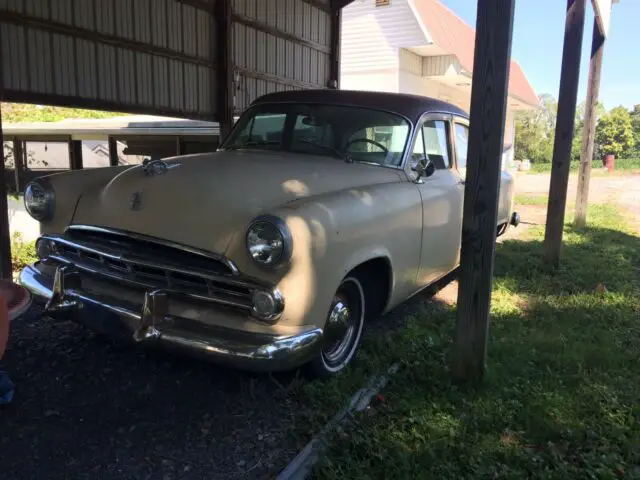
point(202, 200)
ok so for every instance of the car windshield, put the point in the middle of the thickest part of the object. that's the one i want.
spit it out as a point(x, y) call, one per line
point(342, 132)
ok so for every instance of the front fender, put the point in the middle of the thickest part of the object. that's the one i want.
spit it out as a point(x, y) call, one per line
point(332, 235)
point(68, 187)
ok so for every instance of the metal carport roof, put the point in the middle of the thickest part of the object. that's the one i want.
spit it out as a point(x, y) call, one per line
point(198, 59)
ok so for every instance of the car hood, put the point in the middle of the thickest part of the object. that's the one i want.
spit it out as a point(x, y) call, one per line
point(203, 200)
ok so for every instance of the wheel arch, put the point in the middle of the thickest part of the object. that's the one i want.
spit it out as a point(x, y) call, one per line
point(376, 276)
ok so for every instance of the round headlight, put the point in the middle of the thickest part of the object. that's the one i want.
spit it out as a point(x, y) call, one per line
point(269, 241)
point(39, 200)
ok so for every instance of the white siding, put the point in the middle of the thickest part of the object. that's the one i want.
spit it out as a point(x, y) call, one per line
point(372, 36)
point(410, 62)
point(377, 81)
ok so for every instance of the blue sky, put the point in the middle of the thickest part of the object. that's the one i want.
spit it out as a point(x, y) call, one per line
point(537, 45)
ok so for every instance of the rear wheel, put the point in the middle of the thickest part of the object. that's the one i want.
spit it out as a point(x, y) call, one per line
point(342, 331)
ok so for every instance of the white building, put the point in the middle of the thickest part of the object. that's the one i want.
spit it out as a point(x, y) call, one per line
point(419, 47)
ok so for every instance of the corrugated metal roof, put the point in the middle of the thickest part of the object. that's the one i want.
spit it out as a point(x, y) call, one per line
point(117, 126)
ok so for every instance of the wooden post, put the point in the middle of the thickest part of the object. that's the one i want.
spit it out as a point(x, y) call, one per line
point(75, 154)
point(334, 73)
point(223, 89)
point(18, 161)
point(114, 160)
point(494, 27)
point(569, 76)
point(589, 129)
point(5, 237)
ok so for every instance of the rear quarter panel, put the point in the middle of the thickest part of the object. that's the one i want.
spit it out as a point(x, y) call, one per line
point(505, 200)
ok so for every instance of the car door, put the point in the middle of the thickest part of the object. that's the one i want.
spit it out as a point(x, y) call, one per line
point(460, 143)
point(441, 195)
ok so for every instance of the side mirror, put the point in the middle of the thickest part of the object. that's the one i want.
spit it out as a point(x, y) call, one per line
point(424, 168)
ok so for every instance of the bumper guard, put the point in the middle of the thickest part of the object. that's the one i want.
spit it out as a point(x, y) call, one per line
point(153, 326)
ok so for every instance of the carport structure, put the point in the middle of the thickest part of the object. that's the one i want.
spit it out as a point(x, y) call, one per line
point(209, 59)
point(199, 59)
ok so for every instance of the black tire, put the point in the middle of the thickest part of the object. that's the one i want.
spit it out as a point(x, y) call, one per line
point(338, 351)
point(502, 229)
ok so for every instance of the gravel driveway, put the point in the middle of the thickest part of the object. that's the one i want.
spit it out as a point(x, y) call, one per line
point(623, 189)
point(86, 407)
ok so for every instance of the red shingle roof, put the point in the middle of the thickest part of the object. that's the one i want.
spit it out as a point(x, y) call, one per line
point(453, 35)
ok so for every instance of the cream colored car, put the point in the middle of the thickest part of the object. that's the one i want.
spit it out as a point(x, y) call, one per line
point(321, 209)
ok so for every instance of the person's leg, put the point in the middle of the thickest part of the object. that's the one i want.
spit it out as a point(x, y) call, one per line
point(6, 386)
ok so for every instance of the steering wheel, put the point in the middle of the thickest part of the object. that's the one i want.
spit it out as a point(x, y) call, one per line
point(366, 140)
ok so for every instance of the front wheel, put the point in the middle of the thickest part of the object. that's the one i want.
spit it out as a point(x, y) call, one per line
point(342, 331)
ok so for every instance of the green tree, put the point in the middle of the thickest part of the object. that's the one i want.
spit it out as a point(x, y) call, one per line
point(576, 145)
point(535, 131)
point(635, 125)
point(614, 134)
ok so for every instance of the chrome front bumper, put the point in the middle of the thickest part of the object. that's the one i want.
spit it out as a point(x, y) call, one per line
point(153, 326)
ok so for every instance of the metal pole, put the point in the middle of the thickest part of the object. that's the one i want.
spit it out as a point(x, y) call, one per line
point(5, 237)
point(494, 27)
point(569, 76)
point(224, 86)
point(589, 129)
point(75, 154)
point(18, 161)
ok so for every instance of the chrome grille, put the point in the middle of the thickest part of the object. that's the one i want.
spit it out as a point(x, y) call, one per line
point(141, 262)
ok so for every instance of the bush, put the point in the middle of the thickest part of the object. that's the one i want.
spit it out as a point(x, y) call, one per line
point(23, 253)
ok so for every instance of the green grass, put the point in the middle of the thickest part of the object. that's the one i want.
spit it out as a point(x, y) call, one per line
point(560, 398)
point(621, 164)
point(20, 113)
point(531, 199)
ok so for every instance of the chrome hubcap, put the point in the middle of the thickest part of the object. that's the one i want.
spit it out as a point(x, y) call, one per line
point(339, 331)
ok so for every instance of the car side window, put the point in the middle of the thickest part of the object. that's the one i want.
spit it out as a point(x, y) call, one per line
point(462, 142)
point(436, 143)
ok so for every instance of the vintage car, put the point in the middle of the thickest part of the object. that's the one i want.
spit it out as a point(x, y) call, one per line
point(321, 209)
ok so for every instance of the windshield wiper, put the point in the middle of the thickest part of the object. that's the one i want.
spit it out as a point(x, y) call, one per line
point(335, 151)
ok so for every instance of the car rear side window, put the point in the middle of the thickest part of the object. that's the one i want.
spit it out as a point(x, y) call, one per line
point(462, 142)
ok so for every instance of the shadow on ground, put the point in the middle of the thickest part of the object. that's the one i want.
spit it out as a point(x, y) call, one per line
point(560, 399)
point(87, 407)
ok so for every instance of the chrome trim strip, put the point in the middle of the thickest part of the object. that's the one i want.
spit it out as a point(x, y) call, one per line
point(147, 238)
point(260, 352)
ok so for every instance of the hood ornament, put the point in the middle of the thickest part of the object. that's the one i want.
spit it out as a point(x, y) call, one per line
point(136, 200)
point(157, 167)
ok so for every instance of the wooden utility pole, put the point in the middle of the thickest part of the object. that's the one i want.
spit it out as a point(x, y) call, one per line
point(494, 27)
point(589, 129)
point(569, 76)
